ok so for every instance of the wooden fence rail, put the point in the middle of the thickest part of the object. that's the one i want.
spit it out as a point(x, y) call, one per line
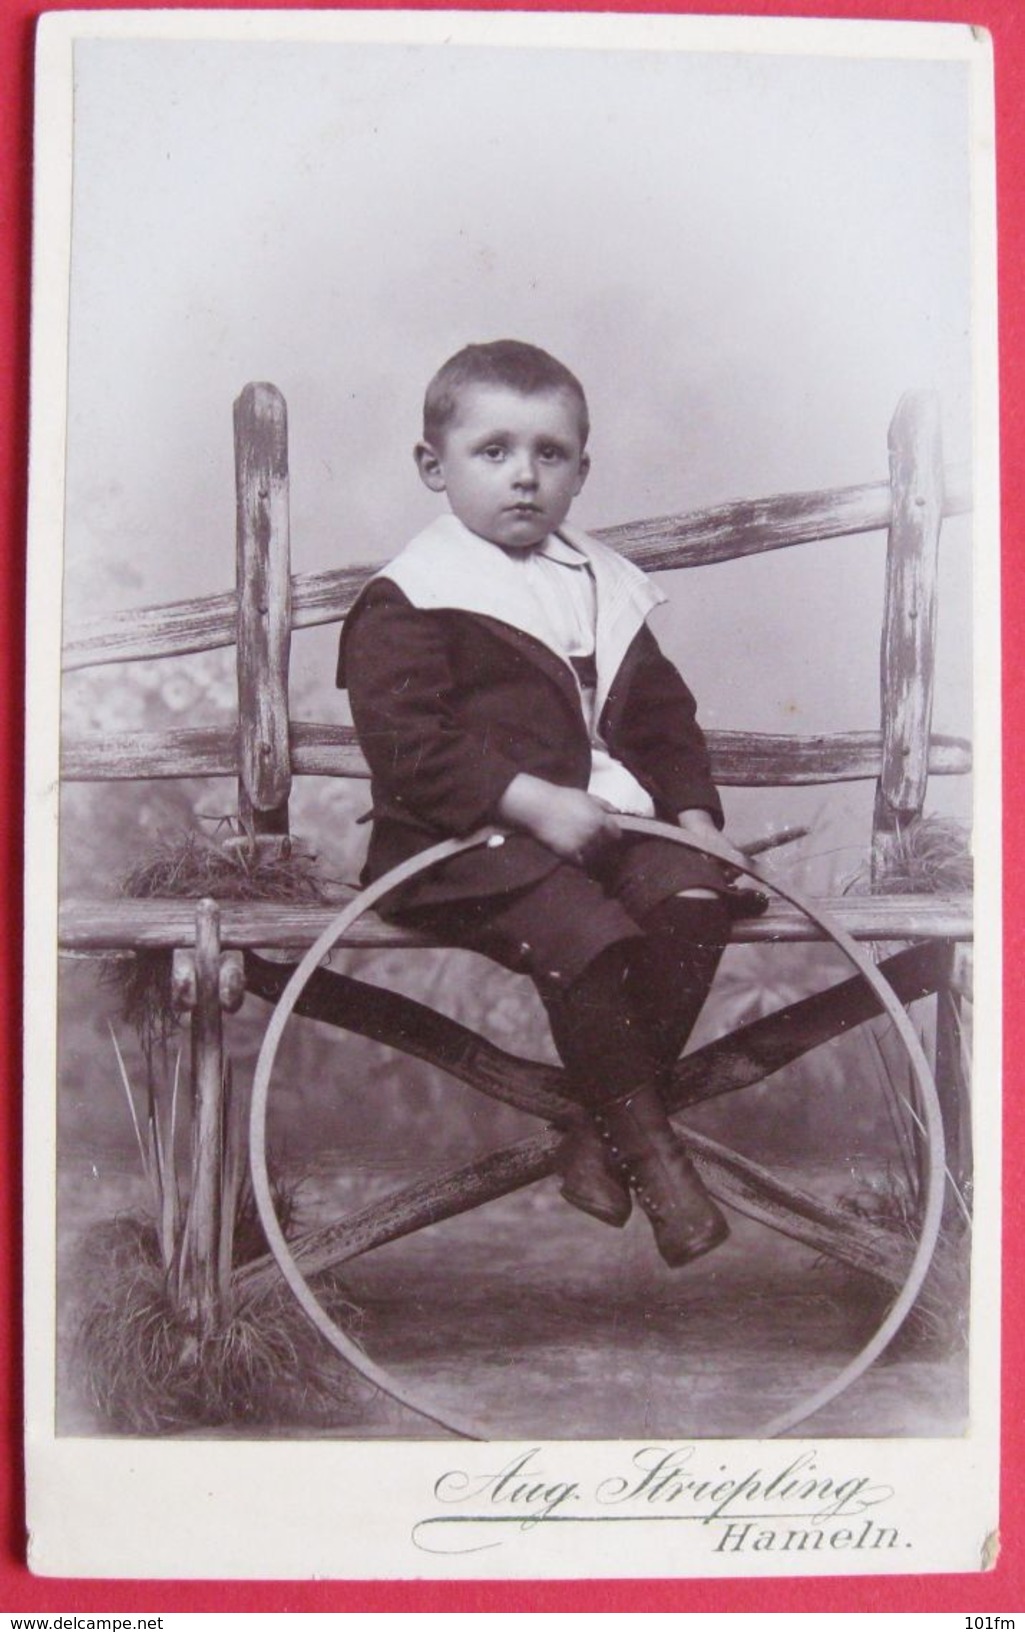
point(740, 759)
point(660, 543)
point(102, 926)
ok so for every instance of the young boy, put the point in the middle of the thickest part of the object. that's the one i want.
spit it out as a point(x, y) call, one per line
point(501, 671)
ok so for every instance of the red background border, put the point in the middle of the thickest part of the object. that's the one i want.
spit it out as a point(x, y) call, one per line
point(996, 1591)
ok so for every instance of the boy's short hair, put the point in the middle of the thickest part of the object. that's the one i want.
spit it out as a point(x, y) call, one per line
point(512, 363)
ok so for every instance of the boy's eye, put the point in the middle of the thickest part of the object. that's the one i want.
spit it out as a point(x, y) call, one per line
point(550, 452)
point(494, 451)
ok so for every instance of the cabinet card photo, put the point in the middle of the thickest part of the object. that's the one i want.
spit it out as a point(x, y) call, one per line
point(513, 804)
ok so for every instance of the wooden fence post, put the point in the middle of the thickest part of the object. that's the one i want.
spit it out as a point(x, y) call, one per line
point(207, 983)
point(907, 658)
point(907, 669)
point(954, 1086)
point(264, 585)
point(202, 1239)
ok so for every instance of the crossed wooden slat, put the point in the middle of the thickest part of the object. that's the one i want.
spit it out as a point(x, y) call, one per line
point(748, 1055)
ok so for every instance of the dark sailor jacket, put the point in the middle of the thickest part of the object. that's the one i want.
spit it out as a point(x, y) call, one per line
point(451, 701)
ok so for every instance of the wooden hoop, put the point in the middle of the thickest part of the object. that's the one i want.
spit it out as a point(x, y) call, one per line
point(368, 899)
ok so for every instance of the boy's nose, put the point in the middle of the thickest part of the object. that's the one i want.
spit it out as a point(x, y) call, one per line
point(525, 473)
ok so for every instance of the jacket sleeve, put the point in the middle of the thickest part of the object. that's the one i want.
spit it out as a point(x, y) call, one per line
point(657, 731)
point(423, 760)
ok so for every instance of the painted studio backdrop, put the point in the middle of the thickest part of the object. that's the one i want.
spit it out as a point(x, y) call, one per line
point(747, 260)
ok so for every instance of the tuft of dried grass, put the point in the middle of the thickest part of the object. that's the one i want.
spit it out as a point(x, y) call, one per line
point(146, 1367)
point(148, 1372)
point(931, 855)
point(190, 865)
point(939, 1320)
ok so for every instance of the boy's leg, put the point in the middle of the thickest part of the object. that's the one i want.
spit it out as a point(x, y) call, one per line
point(603, 1043)
point(658, 989)
point(672, 969)
point(555, 931)
point(605, 1055)
point(613, 1055)
point(665, 888)
point(576, 942)
point(570, 937)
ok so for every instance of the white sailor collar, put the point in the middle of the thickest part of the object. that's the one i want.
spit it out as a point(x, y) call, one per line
point(555, 548)
point(441, 570)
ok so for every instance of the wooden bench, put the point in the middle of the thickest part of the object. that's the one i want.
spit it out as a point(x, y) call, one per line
point(264, 748)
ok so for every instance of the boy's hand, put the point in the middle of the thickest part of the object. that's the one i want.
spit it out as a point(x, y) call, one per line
point(567, 820)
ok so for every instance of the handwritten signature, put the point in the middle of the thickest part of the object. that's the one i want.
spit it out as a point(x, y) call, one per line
point(660, 1483)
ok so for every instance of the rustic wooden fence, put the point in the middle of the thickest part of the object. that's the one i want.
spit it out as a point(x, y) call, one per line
point(263, 748)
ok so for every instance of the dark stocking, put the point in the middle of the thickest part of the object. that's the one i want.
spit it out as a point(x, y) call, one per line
point(672, 969)
point(617, 1028)
point(606, 1048)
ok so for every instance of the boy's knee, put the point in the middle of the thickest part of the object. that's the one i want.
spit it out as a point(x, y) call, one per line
point(697, 915)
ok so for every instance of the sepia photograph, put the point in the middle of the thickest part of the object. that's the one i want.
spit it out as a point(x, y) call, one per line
point(513, 685)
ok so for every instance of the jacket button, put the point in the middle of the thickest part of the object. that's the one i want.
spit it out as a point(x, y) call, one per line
point(495, 841)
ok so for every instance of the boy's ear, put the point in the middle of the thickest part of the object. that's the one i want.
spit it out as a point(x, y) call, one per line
point(584, 467)
point(428, 463)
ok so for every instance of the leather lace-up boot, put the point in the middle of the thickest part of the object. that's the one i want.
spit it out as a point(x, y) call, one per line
point(591, 1179)
point(684, 1218)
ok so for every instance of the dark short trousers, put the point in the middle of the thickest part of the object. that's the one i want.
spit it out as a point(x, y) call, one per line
point(553, 929)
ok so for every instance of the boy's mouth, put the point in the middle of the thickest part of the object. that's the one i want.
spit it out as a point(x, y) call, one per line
point(525, 509)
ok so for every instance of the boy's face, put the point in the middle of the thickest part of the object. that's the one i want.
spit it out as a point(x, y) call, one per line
point(511, 464)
